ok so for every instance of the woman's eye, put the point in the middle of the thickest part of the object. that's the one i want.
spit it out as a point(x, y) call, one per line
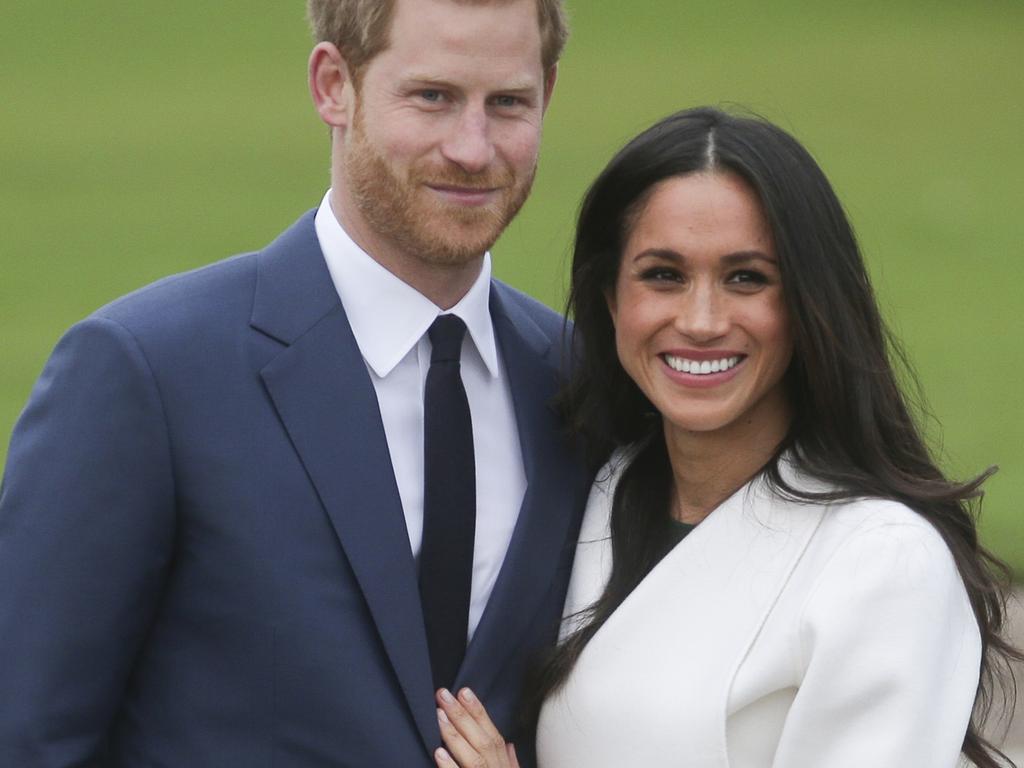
point(747, 277)
point(660, 275)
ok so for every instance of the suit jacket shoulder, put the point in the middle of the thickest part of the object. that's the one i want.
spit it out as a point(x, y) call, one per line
point(550, 321)
point(183, 302)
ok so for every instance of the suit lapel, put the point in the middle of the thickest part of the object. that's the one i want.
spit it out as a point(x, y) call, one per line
point(554, 482)
point(323, 394)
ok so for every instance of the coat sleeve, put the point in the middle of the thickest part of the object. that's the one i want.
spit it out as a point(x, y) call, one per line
point(891, 653)
point(86, 533)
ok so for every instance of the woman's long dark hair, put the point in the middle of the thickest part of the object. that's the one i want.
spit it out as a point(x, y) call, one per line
point(852, 426)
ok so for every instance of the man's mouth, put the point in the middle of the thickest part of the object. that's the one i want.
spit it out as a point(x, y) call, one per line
point(465, 195)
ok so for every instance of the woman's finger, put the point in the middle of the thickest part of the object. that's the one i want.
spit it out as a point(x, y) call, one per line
point(460, 751)
point(463, 722)
point(444, 759)
point(476, 709)
point(468, 732)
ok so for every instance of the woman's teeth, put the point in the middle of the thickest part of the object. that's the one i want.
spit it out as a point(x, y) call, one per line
point(700, 367)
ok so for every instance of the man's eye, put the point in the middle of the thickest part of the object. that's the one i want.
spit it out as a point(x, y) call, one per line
point(506, 101)
point(431, 96)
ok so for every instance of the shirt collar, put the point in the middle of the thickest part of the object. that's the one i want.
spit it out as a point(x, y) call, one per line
point(369, 293)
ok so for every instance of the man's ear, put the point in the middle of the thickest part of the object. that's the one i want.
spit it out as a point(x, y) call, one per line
point(330, 85)
point(549, 84)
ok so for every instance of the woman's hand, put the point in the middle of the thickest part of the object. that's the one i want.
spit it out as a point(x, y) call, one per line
point(471, 739)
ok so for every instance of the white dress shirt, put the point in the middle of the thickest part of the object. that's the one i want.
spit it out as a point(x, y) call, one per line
point(390, 319)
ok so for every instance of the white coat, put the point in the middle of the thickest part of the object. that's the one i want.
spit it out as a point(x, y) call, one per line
point(777, 634)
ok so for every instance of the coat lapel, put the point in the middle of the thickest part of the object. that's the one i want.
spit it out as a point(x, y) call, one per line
point(325, 398)
point(550, 506)
point(676, 642)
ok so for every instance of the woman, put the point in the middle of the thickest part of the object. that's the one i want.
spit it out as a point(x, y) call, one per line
point(772, 571)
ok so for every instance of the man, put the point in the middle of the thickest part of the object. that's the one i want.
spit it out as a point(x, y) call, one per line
point(228, 522)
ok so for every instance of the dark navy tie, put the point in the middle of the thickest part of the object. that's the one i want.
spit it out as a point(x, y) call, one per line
point(449, 503)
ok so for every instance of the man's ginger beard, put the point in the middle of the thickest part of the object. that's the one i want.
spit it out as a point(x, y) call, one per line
point(397, 205)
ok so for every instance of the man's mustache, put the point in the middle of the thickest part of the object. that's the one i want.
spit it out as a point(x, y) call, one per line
point(456, 177)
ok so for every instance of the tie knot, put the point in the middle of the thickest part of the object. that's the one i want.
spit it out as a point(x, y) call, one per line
point(446, 334)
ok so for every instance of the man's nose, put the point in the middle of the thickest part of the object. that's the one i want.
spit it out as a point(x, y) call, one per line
point(469, 144)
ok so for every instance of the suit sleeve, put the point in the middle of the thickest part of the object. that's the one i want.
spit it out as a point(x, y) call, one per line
point(891, 653)
point(86, 532)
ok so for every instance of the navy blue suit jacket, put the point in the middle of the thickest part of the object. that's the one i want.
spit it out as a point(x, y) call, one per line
point(203, 556)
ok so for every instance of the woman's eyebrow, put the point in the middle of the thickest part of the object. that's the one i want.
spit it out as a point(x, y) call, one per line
point(742, 257)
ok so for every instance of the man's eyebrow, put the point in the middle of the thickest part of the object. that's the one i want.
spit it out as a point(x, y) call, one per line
point(424, 80)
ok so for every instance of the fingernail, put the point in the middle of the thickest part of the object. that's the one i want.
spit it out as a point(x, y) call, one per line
point(442, 755)
point(442, 717)
point(467, 695)
point(446, 696)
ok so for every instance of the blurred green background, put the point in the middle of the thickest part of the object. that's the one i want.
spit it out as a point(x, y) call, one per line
point(139, 139)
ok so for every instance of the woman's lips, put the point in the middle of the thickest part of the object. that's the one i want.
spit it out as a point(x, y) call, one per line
point(704, 369)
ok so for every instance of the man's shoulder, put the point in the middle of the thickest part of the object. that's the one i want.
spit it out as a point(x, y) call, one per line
point(220, 293)
point(213, 289)
point(548, 320)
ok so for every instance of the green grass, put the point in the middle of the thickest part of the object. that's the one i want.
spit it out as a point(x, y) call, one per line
point(138, 140)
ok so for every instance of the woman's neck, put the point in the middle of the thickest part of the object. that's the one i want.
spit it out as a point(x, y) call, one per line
point(708, 467)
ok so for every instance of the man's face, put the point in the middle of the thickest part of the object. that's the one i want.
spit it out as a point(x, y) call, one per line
point(442, 148)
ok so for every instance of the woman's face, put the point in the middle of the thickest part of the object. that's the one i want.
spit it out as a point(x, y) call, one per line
point(700, 320)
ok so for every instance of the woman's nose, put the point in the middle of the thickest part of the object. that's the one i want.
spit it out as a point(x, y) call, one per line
point(703, 314)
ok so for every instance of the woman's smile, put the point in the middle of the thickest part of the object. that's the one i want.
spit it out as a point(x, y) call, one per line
point(700, 318)
point(698, 370)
